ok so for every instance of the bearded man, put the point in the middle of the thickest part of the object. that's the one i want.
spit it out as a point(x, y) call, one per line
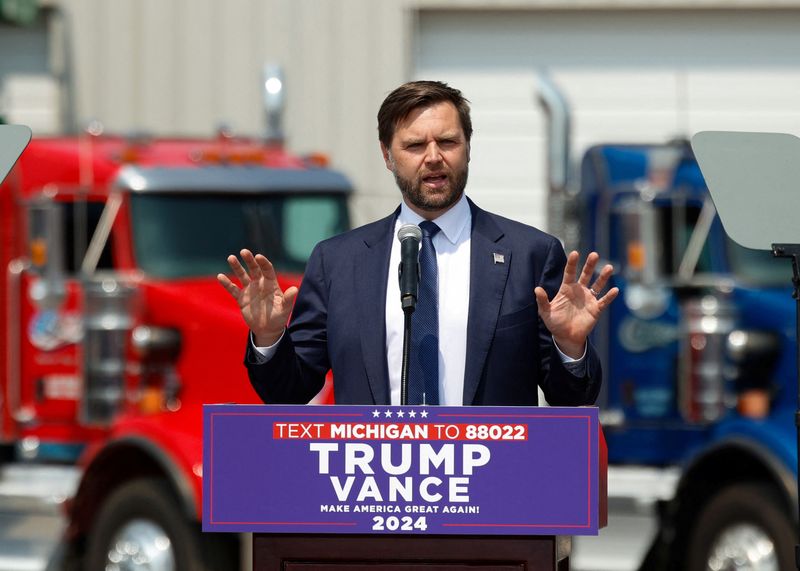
point(501, 308)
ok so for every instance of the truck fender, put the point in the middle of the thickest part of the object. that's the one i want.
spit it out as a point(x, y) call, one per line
point(733, 459)
point(742, 456)
point(120, 460)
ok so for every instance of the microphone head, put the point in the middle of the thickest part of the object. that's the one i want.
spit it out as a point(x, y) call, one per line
point(409, 231)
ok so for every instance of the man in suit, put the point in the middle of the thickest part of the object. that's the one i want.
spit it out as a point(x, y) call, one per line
point(510, 312)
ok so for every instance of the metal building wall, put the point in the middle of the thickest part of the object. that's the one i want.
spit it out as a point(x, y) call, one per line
point(182, 67)
point(185, 66)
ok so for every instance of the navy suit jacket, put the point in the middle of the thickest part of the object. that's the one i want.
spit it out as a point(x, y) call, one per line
point(338, 322)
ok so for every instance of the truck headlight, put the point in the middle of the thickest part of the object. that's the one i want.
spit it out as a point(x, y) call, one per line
point(753, 355)
point(158, 349)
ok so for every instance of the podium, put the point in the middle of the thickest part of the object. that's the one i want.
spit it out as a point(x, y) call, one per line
point(409, 553)
point(326, 488)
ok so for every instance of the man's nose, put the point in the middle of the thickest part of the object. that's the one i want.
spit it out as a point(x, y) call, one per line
point(433, 154)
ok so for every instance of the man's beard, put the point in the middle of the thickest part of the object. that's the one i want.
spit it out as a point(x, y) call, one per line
point(432, 201)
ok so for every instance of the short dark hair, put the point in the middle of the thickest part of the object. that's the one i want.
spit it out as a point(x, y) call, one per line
point(415, 94)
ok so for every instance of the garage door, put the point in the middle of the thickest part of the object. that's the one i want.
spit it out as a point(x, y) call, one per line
point(630, 76)
point(29, 93)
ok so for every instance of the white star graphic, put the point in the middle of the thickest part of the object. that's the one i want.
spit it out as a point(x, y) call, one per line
point(388, 414)
point(424, 414)
point(376, 413)
point(412, 414)
point(400, 414)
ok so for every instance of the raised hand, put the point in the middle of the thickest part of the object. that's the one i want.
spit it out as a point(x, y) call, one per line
point(264, 306)
point(575, 309)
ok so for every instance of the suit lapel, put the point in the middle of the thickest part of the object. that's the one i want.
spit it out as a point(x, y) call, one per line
point(489, 263)
point(371, 272)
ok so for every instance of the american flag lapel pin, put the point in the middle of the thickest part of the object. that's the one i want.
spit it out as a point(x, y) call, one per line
point(499, 258)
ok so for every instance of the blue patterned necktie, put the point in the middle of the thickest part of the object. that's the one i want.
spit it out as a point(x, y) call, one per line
point(423, 375)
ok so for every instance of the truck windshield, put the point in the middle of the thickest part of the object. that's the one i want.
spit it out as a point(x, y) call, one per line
point(758, 267)
point(189, 235)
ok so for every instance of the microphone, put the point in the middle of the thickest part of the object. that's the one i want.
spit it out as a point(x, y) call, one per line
point(408, 271)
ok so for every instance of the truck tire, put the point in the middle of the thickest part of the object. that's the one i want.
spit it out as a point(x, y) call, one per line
point(141, 526)
point(748, 523)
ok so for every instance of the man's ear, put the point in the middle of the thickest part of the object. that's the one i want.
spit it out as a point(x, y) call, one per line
point(387, 157)
point(469, 148)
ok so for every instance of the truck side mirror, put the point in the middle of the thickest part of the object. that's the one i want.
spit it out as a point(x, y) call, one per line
point(639, 251)
point(46, 251)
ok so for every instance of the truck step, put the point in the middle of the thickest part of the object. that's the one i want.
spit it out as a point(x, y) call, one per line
point(31, 519)
point(28, 542)
point(33, 488)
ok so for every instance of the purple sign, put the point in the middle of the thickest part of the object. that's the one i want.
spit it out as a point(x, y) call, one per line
point(389, 469)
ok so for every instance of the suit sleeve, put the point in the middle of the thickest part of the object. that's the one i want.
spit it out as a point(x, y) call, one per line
point(560, 386)
point(296, 373)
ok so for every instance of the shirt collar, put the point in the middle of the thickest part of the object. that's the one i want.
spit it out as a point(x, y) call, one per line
point(452, 223)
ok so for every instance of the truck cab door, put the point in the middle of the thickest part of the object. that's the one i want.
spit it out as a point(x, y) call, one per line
point(668, 329)
point(645, 320)
point(46, 395)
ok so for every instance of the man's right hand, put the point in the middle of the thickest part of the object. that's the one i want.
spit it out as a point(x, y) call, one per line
point(264, 306)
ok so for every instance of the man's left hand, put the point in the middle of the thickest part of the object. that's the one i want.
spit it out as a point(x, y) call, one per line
point(574, 311)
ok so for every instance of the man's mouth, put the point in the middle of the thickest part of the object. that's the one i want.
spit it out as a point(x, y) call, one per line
point(435, 180)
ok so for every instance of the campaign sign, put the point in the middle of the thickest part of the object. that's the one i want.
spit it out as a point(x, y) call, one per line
point(400, 469)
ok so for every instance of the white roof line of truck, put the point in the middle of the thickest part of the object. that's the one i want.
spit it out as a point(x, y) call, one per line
point(255, 179)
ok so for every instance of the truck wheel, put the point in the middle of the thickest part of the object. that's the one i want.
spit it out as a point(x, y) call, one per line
point(745, 526)
point(141, 527)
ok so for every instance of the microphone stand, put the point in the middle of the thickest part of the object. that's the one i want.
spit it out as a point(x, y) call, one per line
point(793, 251)
point(408, 311)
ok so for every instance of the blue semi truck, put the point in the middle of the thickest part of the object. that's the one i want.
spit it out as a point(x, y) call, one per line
point(699, 353)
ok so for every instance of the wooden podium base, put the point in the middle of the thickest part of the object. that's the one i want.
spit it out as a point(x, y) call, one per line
point(273, 552)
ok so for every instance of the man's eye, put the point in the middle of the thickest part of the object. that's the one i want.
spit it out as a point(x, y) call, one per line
point(414, 146)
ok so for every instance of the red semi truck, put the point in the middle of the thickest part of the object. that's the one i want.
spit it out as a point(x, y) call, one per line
point(115, 332)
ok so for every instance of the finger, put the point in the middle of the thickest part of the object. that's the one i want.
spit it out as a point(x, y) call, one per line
point(266, 267)
point(229, 286)
point(289, 295)
point(571, 268)
point(238, 270)
point(602, 279)
point(252, 267)
point(610, 296)
point(588, 269)
point(541, 299)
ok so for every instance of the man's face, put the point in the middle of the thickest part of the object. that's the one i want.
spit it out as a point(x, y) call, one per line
point(429, 157)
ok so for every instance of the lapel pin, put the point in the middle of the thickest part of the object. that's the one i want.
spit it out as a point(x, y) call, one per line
point(499, 258)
